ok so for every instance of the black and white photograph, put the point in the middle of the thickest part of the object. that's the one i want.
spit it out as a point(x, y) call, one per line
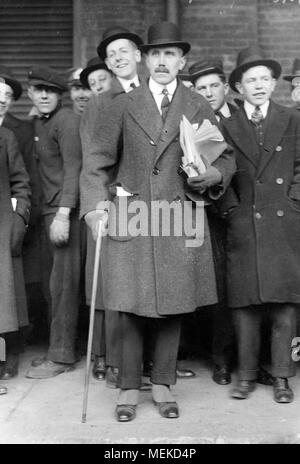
point(150, 224)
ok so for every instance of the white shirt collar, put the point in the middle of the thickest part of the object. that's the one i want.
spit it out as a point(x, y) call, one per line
point(225, 110)
point(125, 83)
point(1, 120)
point(249, 108)
point(157, 88)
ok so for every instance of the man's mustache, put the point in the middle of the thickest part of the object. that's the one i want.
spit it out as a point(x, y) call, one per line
point(162, 69)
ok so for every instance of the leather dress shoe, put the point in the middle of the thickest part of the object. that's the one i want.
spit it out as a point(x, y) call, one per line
point(221, 375)
point(111, 376)
point(184, 373)
point(125, 412)
point(38, 361)
point(3, 390)
point(99, 368)
point(10, 367)
point(281, 390)
point(242, 389)
point(48, 369)
point(168, 410)
point(264, 377)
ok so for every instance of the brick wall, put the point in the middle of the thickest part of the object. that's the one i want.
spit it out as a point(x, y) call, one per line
point(216, 28)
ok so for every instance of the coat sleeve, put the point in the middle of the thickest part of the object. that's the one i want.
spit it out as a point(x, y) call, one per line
point(70, 149)
point(101, 155)
point(18, 177)
point(294, 192)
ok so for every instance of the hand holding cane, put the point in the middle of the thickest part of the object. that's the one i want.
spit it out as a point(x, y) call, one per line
point(92, 316)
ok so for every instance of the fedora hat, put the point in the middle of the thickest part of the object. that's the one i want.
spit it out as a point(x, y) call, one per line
point(248, 58)
point(74, 77)
point(204, 67)
point(296, 71)
point(43, 75)
point(6, 77)
point(165, 34)
point(92, 65)
point(115, 33)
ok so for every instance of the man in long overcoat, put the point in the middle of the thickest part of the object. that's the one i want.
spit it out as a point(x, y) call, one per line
point(151, 275)
point(263, 271)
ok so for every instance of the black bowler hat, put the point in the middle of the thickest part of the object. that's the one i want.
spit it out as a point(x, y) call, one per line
point(295, 72)
point(248, 58)
point(115, 33)
point(43, 75)
point(7, 78)
point(165, 34)
point(204, 67)
point(92, 65)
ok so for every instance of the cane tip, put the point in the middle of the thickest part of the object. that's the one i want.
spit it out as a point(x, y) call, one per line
point(83, 419)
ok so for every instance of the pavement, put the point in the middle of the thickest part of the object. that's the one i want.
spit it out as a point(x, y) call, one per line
point(49, 412)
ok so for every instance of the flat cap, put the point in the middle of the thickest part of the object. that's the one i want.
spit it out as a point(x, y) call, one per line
point(43, 75)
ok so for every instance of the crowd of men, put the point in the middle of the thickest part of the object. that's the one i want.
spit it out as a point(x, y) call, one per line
point(68, 172)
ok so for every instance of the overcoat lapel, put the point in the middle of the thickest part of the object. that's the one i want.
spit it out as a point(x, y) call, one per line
point(278, 120)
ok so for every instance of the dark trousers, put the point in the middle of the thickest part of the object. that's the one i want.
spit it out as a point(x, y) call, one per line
point(134, 329)
point(248, 330)
point(63, 292)
point(107, 336)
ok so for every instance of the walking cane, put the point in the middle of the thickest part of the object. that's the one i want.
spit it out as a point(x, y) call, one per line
point(92, 317)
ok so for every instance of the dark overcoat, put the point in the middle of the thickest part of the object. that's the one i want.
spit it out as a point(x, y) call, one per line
point(149, 275)
point(14, 182)
point(263, 247)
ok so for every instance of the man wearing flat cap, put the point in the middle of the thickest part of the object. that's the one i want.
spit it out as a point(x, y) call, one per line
point(151, 276)
point(14, 209)
point(263, 217)
point(209, 80)
point(58, 153)
point(79, 92)
point(294, 79)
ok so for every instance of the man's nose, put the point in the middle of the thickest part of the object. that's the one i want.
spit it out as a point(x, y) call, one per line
point(208, 92)
point(161, 59)
point(44, 93)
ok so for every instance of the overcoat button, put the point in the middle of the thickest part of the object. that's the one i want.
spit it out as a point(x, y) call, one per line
point(280, 213)
point(279, 180)
point(278, 148)
point(155, 171)
point(36, 139)
point(257, 215)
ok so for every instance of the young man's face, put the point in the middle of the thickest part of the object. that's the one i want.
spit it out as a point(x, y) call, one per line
point(122, 57)
point(164, 63)
point(6, 98)
point(44, 98)
point(295, 92)
point(99, 81)
point(213, 89)
point(80, 96)
point(257, 85)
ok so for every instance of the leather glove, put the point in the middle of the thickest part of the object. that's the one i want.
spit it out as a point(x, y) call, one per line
point(92, 219)
point(202, 182)
point(60, 229)
point(17, 235)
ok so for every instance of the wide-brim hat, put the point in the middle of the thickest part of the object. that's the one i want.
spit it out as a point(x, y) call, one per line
point(165, 34)
point(248, 58)
point(296, 71)
point(116, 33)
point(92, 65)
point(204, 67)
point(7, 78)
point(43, 75)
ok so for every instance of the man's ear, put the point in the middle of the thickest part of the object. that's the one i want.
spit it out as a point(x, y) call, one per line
point(226, 88)
point(182, 63)
point(138, 56)
point(239, 87)
point(29, 92)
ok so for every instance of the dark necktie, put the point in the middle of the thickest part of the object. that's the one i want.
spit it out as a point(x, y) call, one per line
point(257, 116)
point(221, 116)
point(164, 104)
point(132, 85)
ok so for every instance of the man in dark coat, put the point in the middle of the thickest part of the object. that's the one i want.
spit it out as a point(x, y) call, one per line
point(209, 81)
point(58, 152)
point(11, 91)
point(149, 275)
point(263, 211)
point(294, 79)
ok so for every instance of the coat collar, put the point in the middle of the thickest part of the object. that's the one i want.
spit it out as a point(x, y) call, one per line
point(10, 121)
point(183, 102)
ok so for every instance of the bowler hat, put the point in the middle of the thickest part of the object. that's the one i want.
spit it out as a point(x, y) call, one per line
point(115, 33)
point(203, 67)
point(296, 71)
point(74, 77)
point(165, 34)
point(92, 65)
point(248, 58)
point(43, 75)
point(7, 78)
